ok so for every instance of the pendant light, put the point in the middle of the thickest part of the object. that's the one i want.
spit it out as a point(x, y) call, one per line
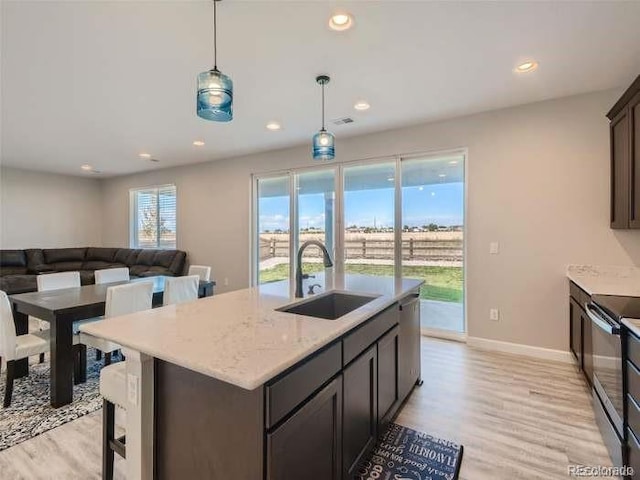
point(323, 141)
point(215, 89)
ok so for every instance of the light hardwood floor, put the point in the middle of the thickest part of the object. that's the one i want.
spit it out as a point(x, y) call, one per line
point(518, 418)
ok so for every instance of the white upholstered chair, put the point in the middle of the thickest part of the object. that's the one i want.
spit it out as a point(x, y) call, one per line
point(180, 289)
point(121, 300)
point(54, 281)
point(110, 275)
point(202, 271)
point(16, 347)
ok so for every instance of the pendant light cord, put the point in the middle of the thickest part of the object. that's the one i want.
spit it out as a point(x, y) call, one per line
point(323, 106)
point(215, 35)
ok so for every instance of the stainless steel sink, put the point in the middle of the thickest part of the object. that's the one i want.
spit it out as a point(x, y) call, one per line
point(329, 306)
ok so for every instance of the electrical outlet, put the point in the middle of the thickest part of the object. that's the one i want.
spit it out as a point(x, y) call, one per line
point(494, 248)
point(494, 314)
point(132, 389)
point(226, 281)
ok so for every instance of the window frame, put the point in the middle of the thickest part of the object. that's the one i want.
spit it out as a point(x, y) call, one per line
point(134, 216)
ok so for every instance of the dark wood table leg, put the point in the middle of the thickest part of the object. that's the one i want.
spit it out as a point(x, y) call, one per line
point(61, 363)
point(21, 321)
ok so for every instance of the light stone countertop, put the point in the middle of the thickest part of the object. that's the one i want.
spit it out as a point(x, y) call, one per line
point(238, 337)
point(606, 280)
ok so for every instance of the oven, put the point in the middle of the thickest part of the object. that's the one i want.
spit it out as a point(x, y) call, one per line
point(608, 395)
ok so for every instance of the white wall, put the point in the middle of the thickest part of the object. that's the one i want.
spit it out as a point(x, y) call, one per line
point(538, 183)
point(46, 210)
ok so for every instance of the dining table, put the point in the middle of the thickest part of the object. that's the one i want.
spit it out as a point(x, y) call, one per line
point(61, 308)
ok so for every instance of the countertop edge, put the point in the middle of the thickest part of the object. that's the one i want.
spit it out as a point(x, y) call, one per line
point(635, 329)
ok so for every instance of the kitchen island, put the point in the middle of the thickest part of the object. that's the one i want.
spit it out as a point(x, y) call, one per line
point(232, 387)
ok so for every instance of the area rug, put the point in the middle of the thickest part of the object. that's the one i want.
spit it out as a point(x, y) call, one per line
point(406, 454)
point(31, 414)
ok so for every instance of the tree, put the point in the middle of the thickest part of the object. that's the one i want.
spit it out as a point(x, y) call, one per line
point(432, 227)
point(151, 224)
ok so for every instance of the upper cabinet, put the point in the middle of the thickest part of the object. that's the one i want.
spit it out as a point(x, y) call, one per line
point(624, 132)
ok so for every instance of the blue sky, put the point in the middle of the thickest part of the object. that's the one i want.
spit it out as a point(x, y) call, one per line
point(442, 204)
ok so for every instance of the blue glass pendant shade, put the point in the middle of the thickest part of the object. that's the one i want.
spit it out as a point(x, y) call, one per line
point(215, 96)
point(324, 144)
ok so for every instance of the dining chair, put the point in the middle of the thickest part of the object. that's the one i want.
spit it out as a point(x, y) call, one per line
point(202, 271)
point(54, 281)
point(180, 289)
point(16, 347)
point(110, 275)
point(121, 300)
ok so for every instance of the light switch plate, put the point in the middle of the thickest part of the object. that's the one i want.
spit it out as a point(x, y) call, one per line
point(494, 248)
point(132, 388)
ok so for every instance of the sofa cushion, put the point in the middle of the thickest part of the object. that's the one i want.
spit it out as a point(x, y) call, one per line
point(126, 256)
point(101, 254)
point(137, 270)
point(65, 266)
point(156, 270)
point(164, 258)
point(35, 257)
point(12, 271)
point(13, 258)
point(96, 265)
point(57, 255)
point(18, 284)
point(146, 257)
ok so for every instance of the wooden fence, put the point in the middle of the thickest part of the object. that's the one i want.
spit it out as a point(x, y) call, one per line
point(368, 248)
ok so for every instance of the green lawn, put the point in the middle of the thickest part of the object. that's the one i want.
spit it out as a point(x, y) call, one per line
point(441, 283)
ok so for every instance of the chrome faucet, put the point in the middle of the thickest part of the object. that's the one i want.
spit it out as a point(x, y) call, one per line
point(299, 275)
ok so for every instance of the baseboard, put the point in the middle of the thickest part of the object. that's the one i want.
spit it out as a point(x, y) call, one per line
point(444, 334)
point(521, 349)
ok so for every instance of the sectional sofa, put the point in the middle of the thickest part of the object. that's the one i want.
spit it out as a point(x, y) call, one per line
point(19, 268)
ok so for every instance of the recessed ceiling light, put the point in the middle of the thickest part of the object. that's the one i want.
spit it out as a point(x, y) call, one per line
point(390, 179)
point(526, 67)
point(146, 156)
point(420, 188)
point(273, 126)
point(362, 105)
point(341, 21)
point(198, 143)
point(86, 168)
point(442, 175)
point(453, 162)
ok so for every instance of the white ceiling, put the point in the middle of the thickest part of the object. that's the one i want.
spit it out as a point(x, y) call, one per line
point(98, 82)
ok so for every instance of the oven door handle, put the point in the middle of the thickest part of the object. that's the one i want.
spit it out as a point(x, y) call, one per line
point(601, 322)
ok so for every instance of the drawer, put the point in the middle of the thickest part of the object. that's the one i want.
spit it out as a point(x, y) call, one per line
point(289, 391)
point(357, 342)
point(578, 294)
point(633, 414)
point(633, 382)
point(633, 349)
point(633, 447)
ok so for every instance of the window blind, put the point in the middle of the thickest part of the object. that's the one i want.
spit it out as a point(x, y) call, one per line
point(154, 217)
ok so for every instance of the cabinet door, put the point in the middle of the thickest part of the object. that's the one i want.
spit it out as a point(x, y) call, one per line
point(575, 330)
point(409, 345)
point(387, 377)
point(620, 170)
point(634, 165)
point(360, 411)
point(308, 445)
point(587, 347)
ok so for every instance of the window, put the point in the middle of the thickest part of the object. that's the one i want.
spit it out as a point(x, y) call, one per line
point(153, 217)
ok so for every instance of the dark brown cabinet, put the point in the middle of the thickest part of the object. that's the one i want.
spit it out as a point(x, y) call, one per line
point(624, 131)
point(580, 340)
point(309, 444)
point(409, 344)
point(360, 407)
point(387, 377)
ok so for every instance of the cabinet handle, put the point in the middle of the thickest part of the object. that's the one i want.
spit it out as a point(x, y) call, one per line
point(601, 322)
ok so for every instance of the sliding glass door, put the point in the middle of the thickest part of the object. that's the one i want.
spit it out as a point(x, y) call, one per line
point(432, 237)
point(398, 217)
point(369, 219)
point(273, 210)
